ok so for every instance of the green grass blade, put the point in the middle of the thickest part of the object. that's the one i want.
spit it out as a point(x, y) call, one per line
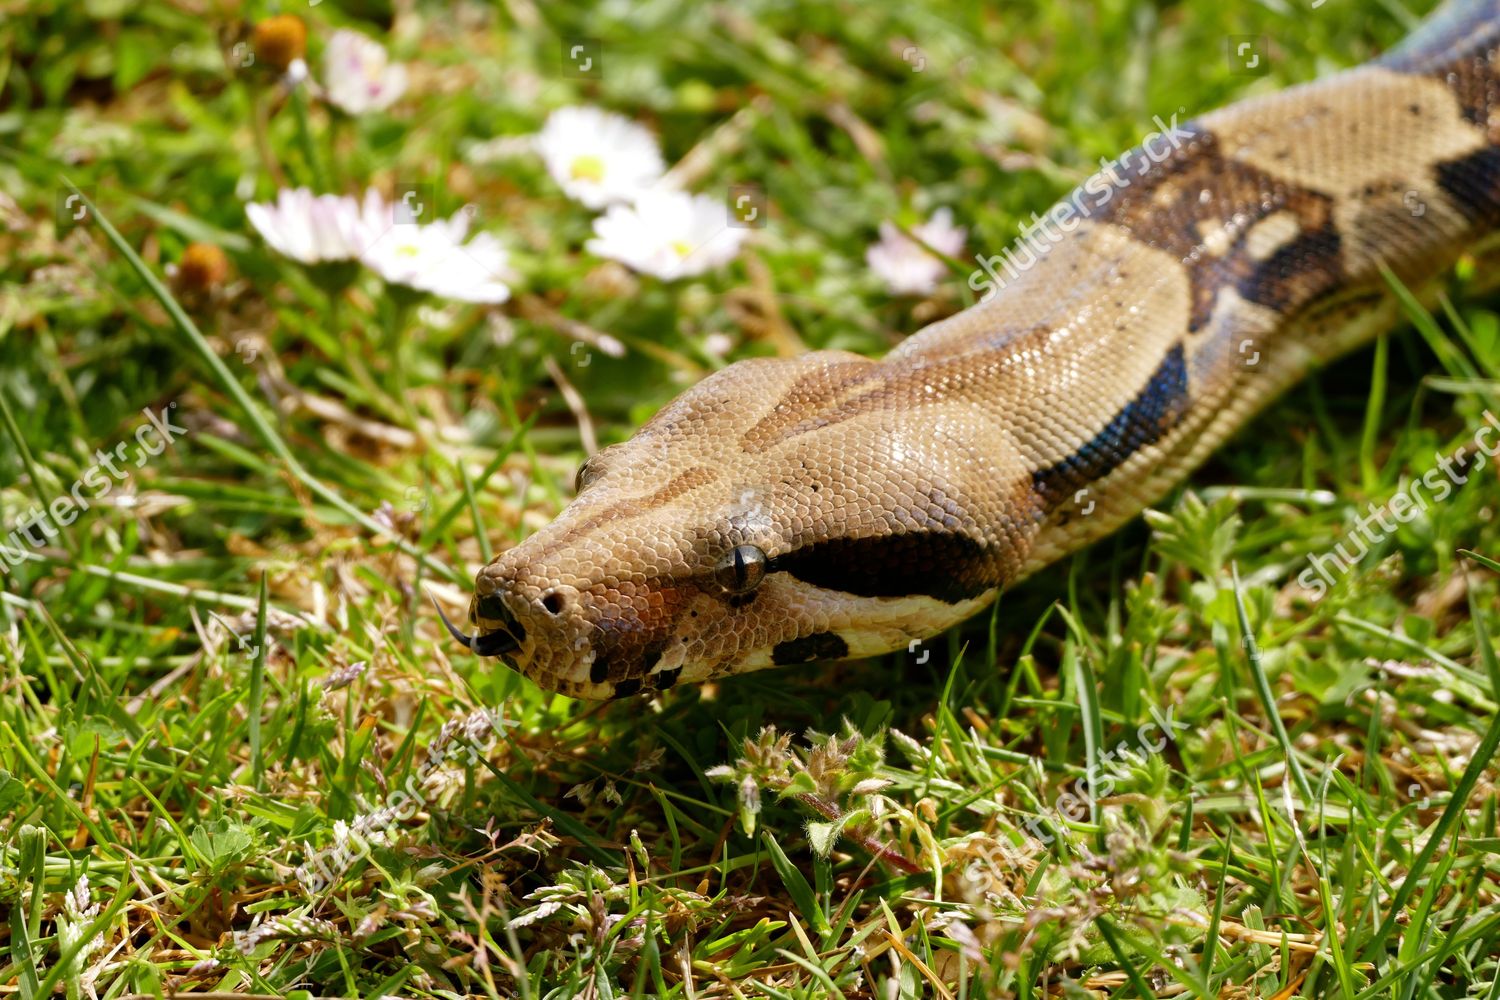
point(258, 424)
point(796, 884)
point(1267, 697)
point(1484, 755)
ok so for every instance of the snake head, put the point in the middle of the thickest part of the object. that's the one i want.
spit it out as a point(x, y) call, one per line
point(746, 525)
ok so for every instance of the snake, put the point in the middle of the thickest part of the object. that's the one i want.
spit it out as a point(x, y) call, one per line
point(833, 506)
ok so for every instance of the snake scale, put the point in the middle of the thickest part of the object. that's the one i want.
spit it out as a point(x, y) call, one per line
point(833, 506)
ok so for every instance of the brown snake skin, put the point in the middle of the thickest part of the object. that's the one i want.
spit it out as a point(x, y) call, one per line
point(833, 506)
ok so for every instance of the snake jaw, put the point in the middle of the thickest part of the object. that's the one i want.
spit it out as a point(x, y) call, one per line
point(496, 643)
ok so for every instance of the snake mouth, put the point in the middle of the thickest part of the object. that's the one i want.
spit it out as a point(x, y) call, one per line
point(496, 643)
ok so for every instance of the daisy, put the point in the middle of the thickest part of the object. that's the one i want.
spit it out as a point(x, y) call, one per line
point(906, 267)
point(309, 228)
point(434, 257)
point(359, 76)
point(597, 157)
point(668, 234)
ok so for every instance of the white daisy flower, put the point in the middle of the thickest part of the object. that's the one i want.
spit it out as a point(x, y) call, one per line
point(434, 257)
point(309, 228)
point(359, 75)
point(906, 267)
point(668, 234)
point(598, 158)
point(376, 217)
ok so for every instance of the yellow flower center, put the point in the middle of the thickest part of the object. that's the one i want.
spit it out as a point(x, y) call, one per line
point(681, 247)
point(588, 168)
point(408, 250)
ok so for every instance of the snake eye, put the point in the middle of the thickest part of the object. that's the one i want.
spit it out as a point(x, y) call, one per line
point(741, 569)
point(587, 473)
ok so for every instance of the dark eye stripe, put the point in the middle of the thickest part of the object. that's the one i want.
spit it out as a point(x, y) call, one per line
point(949, 566)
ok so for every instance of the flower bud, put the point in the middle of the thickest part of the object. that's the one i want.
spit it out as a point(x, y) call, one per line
point(202, 268)
point(280, 40)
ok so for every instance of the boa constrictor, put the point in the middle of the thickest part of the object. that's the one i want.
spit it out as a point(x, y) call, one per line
point(833, 506)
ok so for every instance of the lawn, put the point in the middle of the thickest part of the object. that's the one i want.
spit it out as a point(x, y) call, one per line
point(239, 754)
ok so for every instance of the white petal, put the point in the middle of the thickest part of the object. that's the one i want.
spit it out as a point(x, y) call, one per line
point(621, 157)
point(306, 228)
point(359, 74)
point(905, 266)
point(668, 234)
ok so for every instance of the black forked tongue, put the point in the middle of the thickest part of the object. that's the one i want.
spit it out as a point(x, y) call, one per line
point(493, 644)
point(453, 630)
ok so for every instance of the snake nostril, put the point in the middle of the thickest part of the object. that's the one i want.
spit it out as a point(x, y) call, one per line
point(553, 604)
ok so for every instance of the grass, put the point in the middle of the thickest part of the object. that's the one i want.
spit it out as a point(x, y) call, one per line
point(221, 673)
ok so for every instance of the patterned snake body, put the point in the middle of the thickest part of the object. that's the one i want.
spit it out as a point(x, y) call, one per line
point(833, 506)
